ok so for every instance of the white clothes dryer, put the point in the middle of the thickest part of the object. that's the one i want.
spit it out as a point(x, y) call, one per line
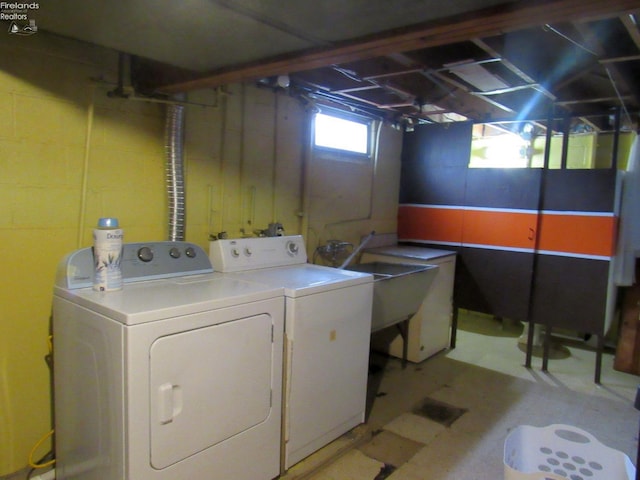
point(176, 376)
point(327, 331)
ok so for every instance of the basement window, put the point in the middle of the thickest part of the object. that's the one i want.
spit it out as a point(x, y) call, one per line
point(523, 146)
point(342, 134)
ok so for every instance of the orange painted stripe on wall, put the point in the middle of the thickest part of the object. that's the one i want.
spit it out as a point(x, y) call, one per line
point(576, 233)
point(582, 234)
point(430, 223)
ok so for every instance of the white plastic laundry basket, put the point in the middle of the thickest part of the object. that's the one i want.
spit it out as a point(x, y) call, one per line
point(560, 452)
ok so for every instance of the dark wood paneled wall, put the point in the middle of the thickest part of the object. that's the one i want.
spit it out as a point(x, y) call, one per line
point(522, 235)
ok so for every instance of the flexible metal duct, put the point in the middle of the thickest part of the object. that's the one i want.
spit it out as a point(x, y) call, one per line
point(174, 140)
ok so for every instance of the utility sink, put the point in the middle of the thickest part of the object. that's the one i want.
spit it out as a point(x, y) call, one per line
point(398, 290)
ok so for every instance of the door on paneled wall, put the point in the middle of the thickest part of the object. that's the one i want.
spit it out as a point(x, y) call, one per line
point(500, 226)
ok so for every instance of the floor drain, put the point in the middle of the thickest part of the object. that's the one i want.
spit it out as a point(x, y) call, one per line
point(439, 412)
point(385, 471)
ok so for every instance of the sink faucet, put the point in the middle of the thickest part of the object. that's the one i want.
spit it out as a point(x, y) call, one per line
point(357, 249)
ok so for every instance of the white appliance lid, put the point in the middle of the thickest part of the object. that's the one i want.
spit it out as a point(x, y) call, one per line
point(305, 279)
point(147, 301)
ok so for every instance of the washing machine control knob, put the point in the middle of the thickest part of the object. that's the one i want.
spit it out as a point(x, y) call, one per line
point(145, 254)
point(247, 251)
point(190, 252)
point(292, 248)
point(174, 252)
point(235, 253)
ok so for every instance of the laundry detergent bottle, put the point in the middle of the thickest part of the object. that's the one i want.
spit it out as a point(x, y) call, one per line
point(107, 255)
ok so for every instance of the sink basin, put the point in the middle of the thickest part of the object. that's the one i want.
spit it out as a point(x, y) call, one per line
point(398, 290)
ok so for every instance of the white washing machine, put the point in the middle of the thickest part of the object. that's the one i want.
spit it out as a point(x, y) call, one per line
point(176, 376)
point(327, 333)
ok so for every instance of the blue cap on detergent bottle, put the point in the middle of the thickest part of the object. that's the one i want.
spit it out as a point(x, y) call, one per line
point(108, 222)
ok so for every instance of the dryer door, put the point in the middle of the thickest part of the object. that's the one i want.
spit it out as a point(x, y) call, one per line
point(208, 385)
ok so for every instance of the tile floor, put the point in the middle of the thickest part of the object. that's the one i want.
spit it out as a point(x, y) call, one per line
point(485, 374)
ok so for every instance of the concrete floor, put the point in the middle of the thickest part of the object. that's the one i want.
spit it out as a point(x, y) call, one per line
point(486, 375)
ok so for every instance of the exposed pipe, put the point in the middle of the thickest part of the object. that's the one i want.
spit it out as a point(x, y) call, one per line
point(357, 249)
point(245, 210)
point(274, 160)
point(85, 167)
point(305, 174)
point(622, 104)
point(221, 156)
point(174, 142)
point(174, 171)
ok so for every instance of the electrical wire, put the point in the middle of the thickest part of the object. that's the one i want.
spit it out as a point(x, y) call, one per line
point(615, 89)
point(42, 459)
point(570, 40)
point(613, 83)
point(36, 464)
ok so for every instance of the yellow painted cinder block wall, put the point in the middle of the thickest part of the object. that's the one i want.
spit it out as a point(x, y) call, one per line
point(69, 155)
point(242, 144)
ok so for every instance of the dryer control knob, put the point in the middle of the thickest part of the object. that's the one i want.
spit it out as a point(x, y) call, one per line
point(190, 252)
point(247, 251)
point(145, 254)
point(174, 252)
point(235, 253)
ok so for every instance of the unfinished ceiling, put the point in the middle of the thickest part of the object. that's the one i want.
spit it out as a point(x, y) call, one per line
point(409, 61)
